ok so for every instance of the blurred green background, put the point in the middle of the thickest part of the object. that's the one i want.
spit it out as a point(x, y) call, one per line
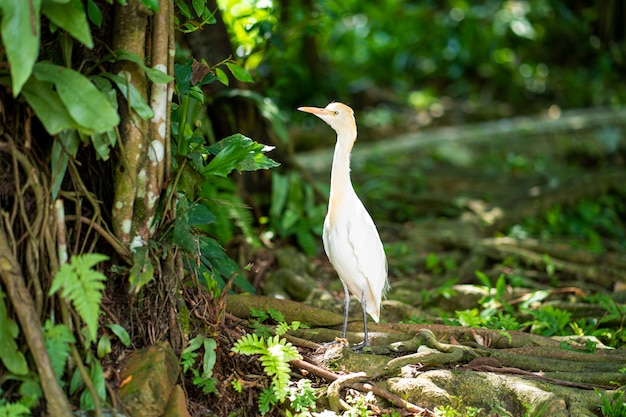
point(442, 62)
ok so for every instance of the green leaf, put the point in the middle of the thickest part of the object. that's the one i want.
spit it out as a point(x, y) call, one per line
point(240, 72)
point(94, 13)
point(69, 18)
point(199, 214)
point(484, 279)
point(48, 106)
point(238, 152)
point(85, 103)
point(209, 357)
point(104, 346)
point(132, 96)
point(151, 4)
point(199, 6)
point(65, 145)
point(221, 76)
point(97, 378)
point(10, 354)
point(120, 332)
point(83, 287)
point(103, 142)
point(155, 75)
point(142, 270)
point(58, 340)
point(20, 38)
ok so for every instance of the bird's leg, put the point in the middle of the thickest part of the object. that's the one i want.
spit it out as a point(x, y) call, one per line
point(366, 341)
point(346, 309)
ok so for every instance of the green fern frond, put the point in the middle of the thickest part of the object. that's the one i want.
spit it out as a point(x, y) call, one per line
point(82, 286)
point(250, 344)
point(57, 340)
point(267, 399)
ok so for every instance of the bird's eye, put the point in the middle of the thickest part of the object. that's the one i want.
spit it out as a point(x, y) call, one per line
point(335, 112)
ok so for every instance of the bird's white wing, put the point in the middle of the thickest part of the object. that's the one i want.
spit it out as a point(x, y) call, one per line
point(354, 248)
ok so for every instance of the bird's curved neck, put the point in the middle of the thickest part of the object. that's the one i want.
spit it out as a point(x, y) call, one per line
point(340, 183)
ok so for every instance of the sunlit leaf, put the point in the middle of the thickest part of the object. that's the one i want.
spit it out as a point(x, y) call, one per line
point(20, 38)
point(238, 152)
point(240, 72)
point(221, 76)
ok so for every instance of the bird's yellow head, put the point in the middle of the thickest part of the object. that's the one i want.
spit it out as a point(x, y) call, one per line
point(338, 116)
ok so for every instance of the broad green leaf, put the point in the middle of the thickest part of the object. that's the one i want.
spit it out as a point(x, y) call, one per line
point(69, 18)
point(155, 75)
point(82, 285)
point(104, 346)
point(10, 353)
point(48, 106)
point(132, 96)
point(65, 145)
point(221, 76)
point(209, 357)
point(199, 214)
point(120, 332)
point(20, 38)
point(240, 72)
point(85, 103)
point(238, 152)
point(94, 13)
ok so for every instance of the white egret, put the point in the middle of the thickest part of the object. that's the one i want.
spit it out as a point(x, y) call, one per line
point(351, 240)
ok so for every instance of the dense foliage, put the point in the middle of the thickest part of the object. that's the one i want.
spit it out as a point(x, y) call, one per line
point(486, 59)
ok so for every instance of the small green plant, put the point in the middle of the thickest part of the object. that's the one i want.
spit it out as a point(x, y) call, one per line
point(615, 406)
point(275, 353)
point(550, 321)
point(359, 404)
point(203, 377)
point(447, 411)
point(295, 212)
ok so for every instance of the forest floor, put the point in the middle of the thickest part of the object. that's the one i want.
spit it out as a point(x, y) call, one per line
point(506, 244)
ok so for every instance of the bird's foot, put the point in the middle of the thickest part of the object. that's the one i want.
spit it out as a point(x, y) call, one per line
point(363, 347)
point(337, 341)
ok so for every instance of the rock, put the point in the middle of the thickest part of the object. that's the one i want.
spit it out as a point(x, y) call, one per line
point(148, 381)
point(177, 404)
point(494, 393)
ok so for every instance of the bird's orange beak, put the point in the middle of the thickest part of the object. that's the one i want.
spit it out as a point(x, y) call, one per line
point(315, 110)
